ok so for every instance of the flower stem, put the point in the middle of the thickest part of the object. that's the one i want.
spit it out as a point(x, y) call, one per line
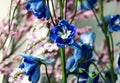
point(62, 53)
point(61, 9)
point(106, 34)
point(73, 17)
point(47, 73)
point(99, 72)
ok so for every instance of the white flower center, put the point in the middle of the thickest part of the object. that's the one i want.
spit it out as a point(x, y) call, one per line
point(65, 33)
point(117, 22)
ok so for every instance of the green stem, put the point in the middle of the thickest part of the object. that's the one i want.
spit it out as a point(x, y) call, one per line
point(74, 12)
point(61, 9)
point(100, 59)
point(111, 59)
point(100, 73)
point(47, 73)
point(65, 8)
point(112, 45)
point(62, 53)
point(104, 29)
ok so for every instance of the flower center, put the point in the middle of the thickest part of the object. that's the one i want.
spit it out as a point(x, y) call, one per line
point(65, 33)
point(117, 22)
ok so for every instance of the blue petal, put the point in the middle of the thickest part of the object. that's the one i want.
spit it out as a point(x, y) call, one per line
point(38, 8)
point(75, 45)
point(28, 58)
point(53, 36)
point(35, 75)
point(70, 62)
point(119, 61)
point(63, 22)
point(33, 1)
point(87, 4)
point(60, 42)
point(73, 29)
point(87, 38)
point(83, 81)
point(28, 68)
point(86, 51)
point(77, 54)
point(46, 61)
point(22, 65)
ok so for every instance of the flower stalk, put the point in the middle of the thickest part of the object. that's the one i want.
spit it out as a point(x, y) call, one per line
point(62, 53)
point(104, 29)
point(62, 50)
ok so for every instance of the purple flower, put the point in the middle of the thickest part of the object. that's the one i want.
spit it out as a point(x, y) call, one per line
point(38, 8)
point(31, 66)
point(63, 33)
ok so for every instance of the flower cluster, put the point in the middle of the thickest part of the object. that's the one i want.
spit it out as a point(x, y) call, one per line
point(52, 30)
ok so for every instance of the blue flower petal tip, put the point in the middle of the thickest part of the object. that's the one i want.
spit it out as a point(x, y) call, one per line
point(88, 38)
point(86, 4)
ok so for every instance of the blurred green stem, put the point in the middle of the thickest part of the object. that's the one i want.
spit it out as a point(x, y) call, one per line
point(62, 53)
point(61, 9)
point(106, 34)
point(47, 73)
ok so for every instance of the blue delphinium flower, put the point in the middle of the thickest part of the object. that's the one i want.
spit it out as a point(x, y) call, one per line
point(38, 8)
point(82, 57)
point(86, 4)
point(63, 33)
point(87, 38)
point(114, 23)
point(31, 66)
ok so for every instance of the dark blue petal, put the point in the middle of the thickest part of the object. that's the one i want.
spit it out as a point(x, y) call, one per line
point(83, 81)
point(32, 1)
point(86, 51)
point(35, 75)
point(22, 65)
point(87, 4)
point(28, 68)
point(63, 22)
point(60, 42)
point(119, 61)
point(53, 34)
point(28, 6)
